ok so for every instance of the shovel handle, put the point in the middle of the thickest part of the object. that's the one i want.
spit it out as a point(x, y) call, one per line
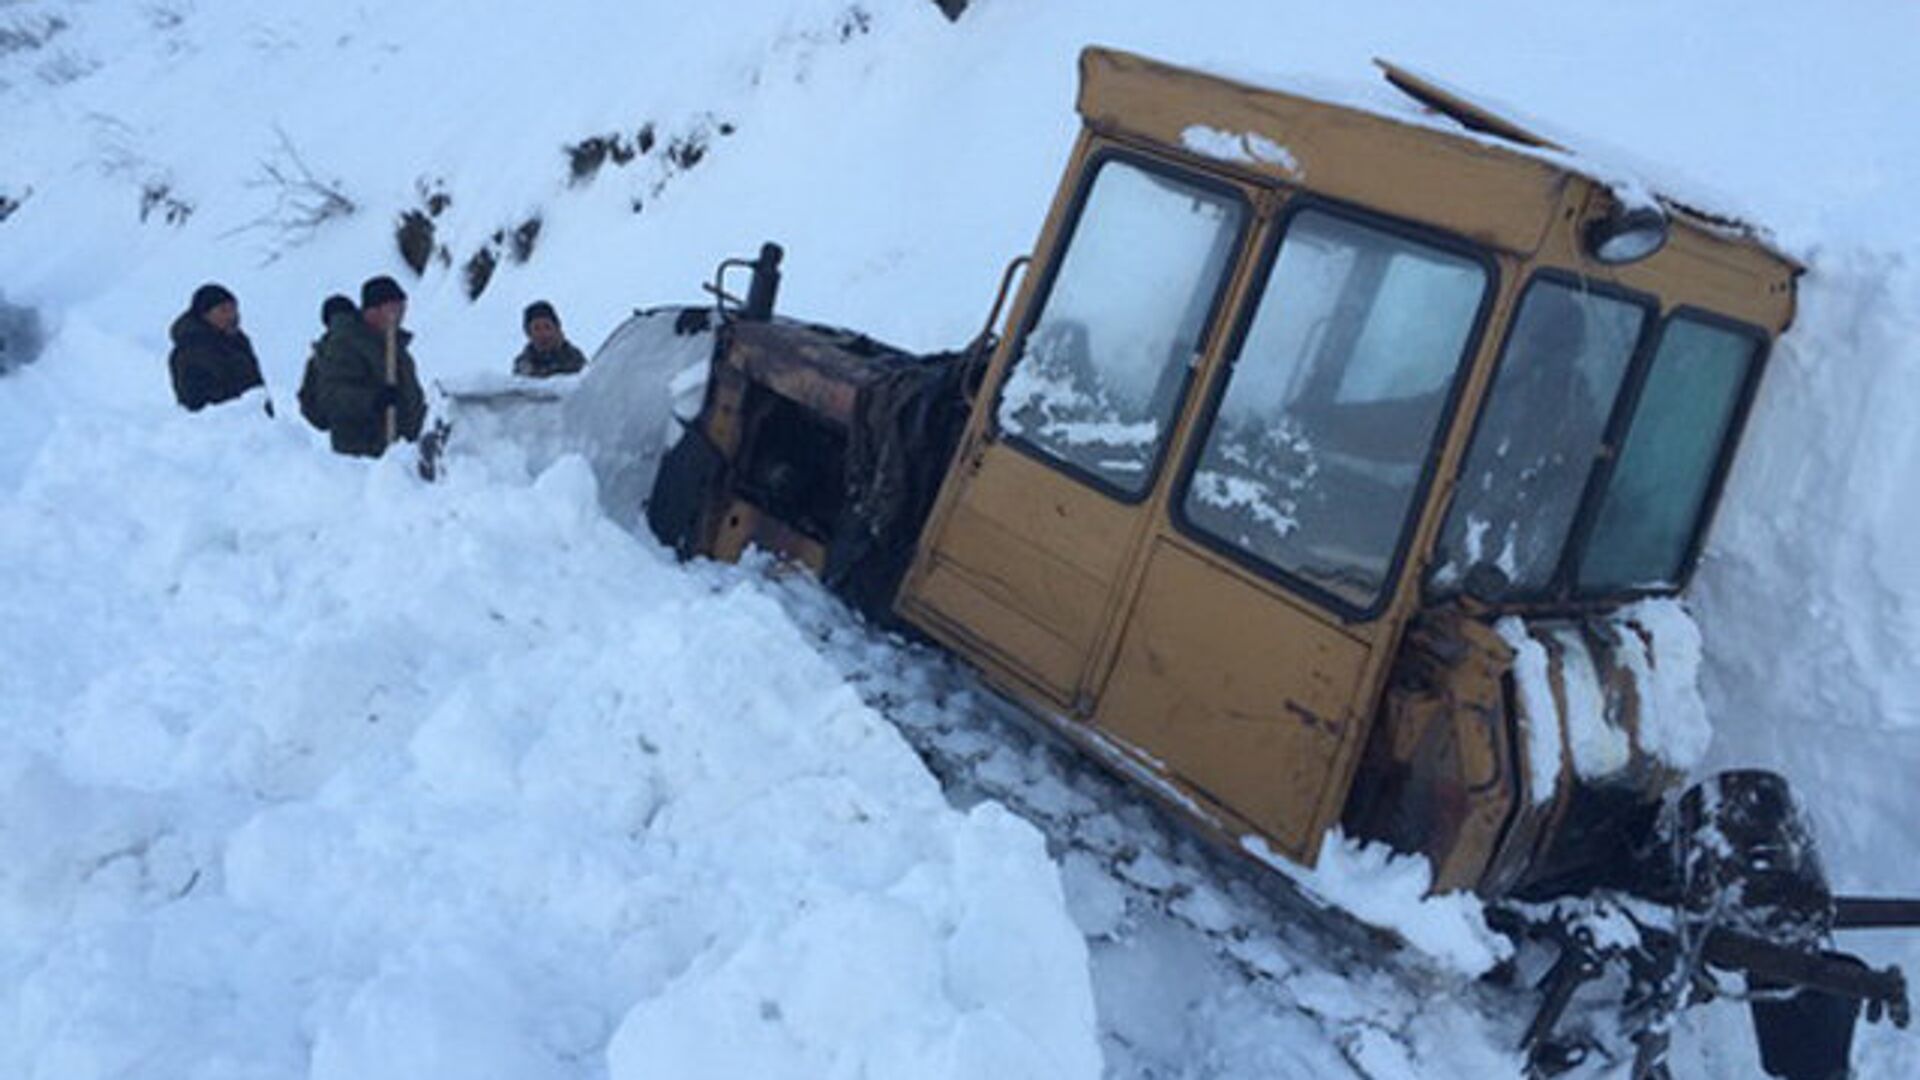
point(391, 419)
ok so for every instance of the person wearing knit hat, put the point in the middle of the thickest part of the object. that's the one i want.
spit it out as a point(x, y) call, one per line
point(380, 291)
point(352, 394)
point(210, 296)
point(212, 360)
point(333, 309)
point(548, 351)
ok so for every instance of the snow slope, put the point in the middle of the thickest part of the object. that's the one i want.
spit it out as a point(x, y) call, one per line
point(309, 767)
point(458, 780)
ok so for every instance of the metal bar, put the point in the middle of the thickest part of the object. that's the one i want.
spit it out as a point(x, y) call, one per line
point(1837, 974)
point(1574, 967)
point(1866, 912)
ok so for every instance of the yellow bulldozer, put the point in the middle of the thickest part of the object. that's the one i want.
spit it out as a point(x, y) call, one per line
point(1332, 468)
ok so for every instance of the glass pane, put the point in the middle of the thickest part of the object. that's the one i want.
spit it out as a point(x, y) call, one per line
point(1680, 426)
point(1100, 374)
point(1539, 435)
point(1332, 405)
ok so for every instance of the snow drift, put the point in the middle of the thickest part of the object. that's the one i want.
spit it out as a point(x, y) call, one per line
point(456, 779)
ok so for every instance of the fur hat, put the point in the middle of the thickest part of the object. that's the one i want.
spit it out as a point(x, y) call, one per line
point(207, 297)
point(380, 290)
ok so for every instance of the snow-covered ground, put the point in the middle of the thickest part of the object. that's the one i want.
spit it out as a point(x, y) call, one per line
point(309, 768)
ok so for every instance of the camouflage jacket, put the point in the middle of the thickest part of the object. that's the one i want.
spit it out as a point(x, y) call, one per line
point(564, 360)
point(351, 370)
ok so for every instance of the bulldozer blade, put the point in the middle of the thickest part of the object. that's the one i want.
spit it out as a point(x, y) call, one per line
point(1806, 1035)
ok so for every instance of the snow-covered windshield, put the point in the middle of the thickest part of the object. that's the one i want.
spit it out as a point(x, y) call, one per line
point(1539, 435)
point(1100, 372)
point(1333, 401)
point(1650, 513)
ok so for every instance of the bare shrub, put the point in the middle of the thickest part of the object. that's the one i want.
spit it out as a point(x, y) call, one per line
point(302, 202)
point(585, 157)
point(9, 202)
point(524, 236)
point(24, 33)
point(414, 236)
point(158, 199)
point(686, 151)
point(479, 271)
point(854, 22)
point(21, 335)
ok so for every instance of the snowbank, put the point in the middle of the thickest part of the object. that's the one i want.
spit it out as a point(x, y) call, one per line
point(305, 757)
point(1810, 597)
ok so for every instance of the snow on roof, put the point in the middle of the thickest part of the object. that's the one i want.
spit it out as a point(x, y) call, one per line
point(1632, 179)
point(1415, 99)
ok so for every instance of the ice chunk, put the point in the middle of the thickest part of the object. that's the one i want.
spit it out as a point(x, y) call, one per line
point(1538, 705)
point(1665, 663)
point(1598, 747)
point(1388, 889)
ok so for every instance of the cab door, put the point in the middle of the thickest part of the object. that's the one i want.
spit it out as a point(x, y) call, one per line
point(1028, 553)
point(1272, 589)
point(1186, 532)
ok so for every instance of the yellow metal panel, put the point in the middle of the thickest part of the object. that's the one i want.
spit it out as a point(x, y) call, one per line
point(1053, 511)
point(1025, 565)
point(1698, 267)
point(1042, 585)
point(1459, 184)
point(1241, 695)
point(982, 615)
point(742, 525)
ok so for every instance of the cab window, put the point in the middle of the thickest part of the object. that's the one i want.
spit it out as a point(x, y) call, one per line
point(1100, 372)
point(1323, 431)
point(1539, 435)
point(1674, 449)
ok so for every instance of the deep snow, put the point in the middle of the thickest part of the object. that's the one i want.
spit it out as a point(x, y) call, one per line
point(307, 767)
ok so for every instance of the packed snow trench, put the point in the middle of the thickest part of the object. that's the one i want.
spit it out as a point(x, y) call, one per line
point(310, 768)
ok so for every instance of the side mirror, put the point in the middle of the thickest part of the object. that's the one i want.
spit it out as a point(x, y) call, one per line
point(1626, 235)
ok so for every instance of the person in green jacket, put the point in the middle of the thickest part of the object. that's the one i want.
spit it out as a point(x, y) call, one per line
point(212, 360)
point(353, 390)
point(548, 351)
point(311, 406)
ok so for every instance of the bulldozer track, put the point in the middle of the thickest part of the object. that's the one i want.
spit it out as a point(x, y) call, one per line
point(981, 747)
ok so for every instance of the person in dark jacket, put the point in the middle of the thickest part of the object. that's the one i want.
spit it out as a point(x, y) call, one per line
point(212, 360)
point(353, 391)
point(548, 351)
point(334, 308)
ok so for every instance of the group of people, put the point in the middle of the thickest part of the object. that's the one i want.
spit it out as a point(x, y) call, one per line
point(361, 385)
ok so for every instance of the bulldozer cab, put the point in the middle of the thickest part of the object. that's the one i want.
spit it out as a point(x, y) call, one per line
point(1313, 480)
point(1290, 387)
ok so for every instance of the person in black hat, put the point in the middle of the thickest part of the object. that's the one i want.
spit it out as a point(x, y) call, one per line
point(212, 360)
point(332, 309)
point(548, 351)
point(367, 388)
point(336, 307)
